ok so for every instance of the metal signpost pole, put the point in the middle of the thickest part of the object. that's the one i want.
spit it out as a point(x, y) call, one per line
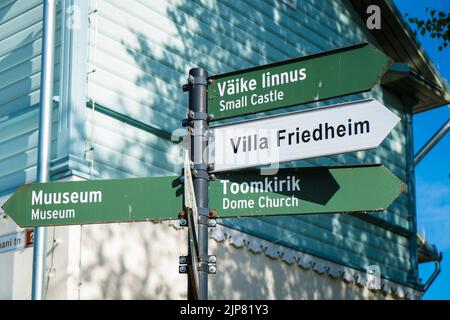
point(44, 148)
point(198, 81)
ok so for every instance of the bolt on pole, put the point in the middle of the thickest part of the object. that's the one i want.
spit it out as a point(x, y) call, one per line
point(198, 110)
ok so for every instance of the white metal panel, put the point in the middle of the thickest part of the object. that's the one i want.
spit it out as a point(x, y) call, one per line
point(301, 135)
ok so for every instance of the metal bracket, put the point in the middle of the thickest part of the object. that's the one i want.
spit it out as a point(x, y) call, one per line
point(201, 171)
point(198, 115)
point(192, 81)
point(191, 116)
point(209, 268)
point(183, 264)
point(200, 166)
point(208, 265)
point(200, 174)
point(198, 132)
point(183, 259)
point(182, 219)
point(205, 220)
point(197, 80)
point(203, 211)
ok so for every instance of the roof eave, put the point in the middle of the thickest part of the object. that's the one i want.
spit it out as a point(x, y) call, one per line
point(425, 87)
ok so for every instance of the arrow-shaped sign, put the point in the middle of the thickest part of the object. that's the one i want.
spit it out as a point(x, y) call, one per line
point(304, 191)
point(98, 201)
point(287, 83)
point(341, 128)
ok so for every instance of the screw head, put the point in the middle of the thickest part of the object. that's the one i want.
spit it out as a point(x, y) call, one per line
point(212, 269)
point(212, 259)
point(212, 222)
point(183, 222)
point(182, 259)
point(182, 269)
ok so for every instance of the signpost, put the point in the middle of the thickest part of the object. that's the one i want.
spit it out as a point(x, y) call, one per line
point(304, 191)
point(341, 128)
point(190, 205)
point(98, 201)
point(346, 127)
point(307, 79)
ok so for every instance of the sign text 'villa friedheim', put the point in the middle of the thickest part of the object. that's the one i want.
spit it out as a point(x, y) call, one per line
point(298, 81)
point(346, 127)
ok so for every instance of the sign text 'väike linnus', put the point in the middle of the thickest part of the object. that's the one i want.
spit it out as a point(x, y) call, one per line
point(298, 81)
point(240, 85)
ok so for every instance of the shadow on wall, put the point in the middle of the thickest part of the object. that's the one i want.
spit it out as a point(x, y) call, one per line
point(246, 275)
point(16, 150)
point(132, 261)
point(20, 64)
point(224, 43)
point(17, 80)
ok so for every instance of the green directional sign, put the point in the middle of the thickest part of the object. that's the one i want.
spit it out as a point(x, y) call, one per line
point(98, 201)
point(302, 80)
point(304, 191)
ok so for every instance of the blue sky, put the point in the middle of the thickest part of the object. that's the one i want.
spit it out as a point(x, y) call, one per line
point(433, 172)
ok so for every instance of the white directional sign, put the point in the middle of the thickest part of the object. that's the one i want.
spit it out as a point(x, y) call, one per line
point(330, 130)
